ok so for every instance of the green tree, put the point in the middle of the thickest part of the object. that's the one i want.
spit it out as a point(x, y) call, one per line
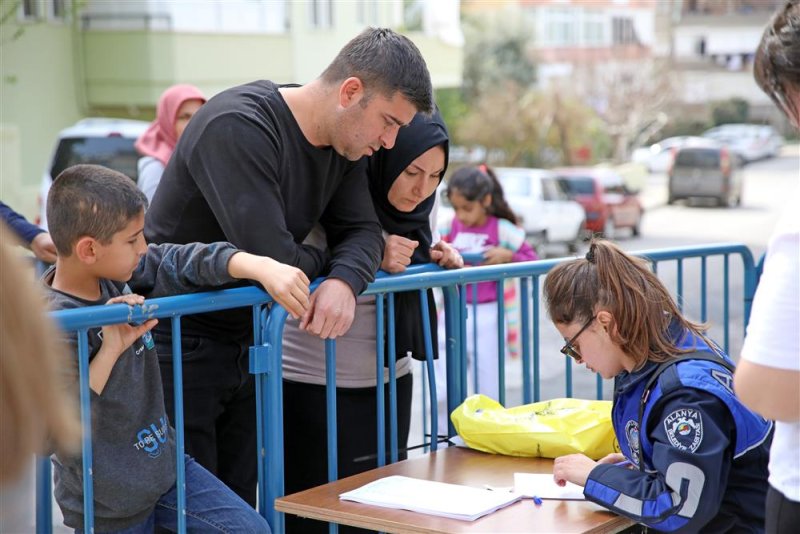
point(497, 49)
point(728, 111)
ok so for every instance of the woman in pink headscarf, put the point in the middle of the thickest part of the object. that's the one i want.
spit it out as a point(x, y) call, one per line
point(175, 107)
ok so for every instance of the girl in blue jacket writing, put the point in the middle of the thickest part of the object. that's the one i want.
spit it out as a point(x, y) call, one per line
point(693, 457)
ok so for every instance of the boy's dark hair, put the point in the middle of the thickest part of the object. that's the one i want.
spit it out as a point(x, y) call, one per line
point(777, 62)
point(90, 200)
point(474, 183)
point(385, 62)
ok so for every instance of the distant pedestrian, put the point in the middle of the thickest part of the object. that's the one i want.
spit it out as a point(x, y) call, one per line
point(176, 107)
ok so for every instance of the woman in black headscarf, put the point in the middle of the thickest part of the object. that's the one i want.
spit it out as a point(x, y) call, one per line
point(402, 182)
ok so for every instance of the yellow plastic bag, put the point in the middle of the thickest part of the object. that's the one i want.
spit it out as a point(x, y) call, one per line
point(546, 429)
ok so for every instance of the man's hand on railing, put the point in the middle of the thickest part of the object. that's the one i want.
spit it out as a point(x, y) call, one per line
point(332, 309)
point(446, 256)
point(397, 253)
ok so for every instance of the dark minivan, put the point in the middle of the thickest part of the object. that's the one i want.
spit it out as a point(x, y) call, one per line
point(705, 171)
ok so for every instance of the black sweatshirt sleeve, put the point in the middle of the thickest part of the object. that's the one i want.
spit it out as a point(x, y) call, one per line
point(353, 232)
point(235, 165)
point(169, 269)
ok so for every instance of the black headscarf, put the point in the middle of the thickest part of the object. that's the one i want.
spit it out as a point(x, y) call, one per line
point(384, 167)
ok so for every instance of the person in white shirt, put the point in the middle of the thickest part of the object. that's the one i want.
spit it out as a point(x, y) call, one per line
point(767, 378)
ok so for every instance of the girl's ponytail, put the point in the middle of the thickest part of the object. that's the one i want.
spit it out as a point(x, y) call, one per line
point(608, 278)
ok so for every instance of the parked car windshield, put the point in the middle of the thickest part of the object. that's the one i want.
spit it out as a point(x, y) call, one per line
point(706, 158)
point(114, 152)
point(515, 184)
point(577, 185)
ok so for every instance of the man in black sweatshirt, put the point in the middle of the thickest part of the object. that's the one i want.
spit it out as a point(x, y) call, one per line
point(259, 165)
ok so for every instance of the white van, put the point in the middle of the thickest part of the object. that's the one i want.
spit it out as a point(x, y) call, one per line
point(102, 141)
point(545, 210)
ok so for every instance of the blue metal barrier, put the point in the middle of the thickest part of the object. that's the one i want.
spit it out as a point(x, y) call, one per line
point(266, 353)
point(80, 320)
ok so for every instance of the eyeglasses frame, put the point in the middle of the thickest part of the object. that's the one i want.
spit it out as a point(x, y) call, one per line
point(568, 349)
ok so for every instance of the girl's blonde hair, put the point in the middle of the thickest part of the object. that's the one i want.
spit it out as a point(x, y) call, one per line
point(609, 279)
point(35, 411)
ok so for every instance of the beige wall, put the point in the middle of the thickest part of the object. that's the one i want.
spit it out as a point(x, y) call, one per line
point(39, 95)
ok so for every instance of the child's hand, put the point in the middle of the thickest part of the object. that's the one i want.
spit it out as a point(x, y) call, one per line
point(118, 337)
point(613, 458)
point(573, 468)
point(286, 284)
point(497, 255)
point(397, 254)
point(446, 256)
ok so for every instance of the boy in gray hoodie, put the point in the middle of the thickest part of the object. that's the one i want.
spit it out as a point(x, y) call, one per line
point(97, 221)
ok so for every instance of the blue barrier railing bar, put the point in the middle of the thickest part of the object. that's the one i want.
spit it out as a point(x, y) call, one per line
point(536, 351)
point(703, 289)
point(463, 386)
point(86, 426)
point(426, 330)
point(725, 308)
point(379, 359)
point(476, 381)
point(273, 407)
point(330, 396)
point(44, 501)
point(180, 464)
point(501, 343)
point(454, 362)
point(392, 389)
point(525, 339)
point(258, 340)
point(679, 291)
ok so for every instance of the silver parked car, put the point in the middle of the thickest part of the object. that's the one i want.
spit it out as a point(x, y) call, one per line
point(750, 142)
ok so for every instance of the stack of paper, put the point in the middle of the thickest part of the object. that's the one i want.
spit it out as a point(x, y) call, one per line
point(544, 487)
point(428, 497)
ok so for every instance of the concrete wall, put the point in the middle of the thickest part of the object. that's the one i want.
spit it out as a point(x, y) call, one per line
point(39, 95)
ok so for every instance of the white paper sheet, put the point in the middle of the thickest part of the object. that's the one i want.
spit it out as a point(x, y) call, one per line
point(544, 487)
point(429, 497)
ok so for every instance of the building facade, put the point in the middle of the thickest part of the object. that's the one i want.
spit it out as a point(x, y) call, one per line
point(62, 61)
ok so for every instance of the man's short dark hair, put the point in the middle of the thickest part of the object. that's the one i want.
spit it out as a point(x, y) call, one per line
point(90, 200)
point(385, 62)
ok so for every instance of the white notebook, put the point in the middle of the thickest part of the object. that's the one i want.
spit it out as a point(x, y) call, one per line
point(429, 497)
point(544, 487)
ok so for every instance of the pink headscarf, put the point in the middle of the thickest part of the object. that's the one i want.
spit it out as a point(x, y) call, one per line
point(159, 139)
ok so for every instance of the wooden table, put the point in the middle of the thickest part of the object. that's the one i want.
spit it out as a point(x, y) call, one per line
point(458, 466)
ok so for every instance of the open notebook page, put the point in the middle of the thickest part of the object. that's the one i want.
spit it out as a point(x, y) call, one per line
point(429, 497)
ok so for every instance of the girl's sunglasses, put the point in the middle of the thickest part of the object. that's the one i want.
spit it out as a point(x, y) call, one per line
point(568, 349)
